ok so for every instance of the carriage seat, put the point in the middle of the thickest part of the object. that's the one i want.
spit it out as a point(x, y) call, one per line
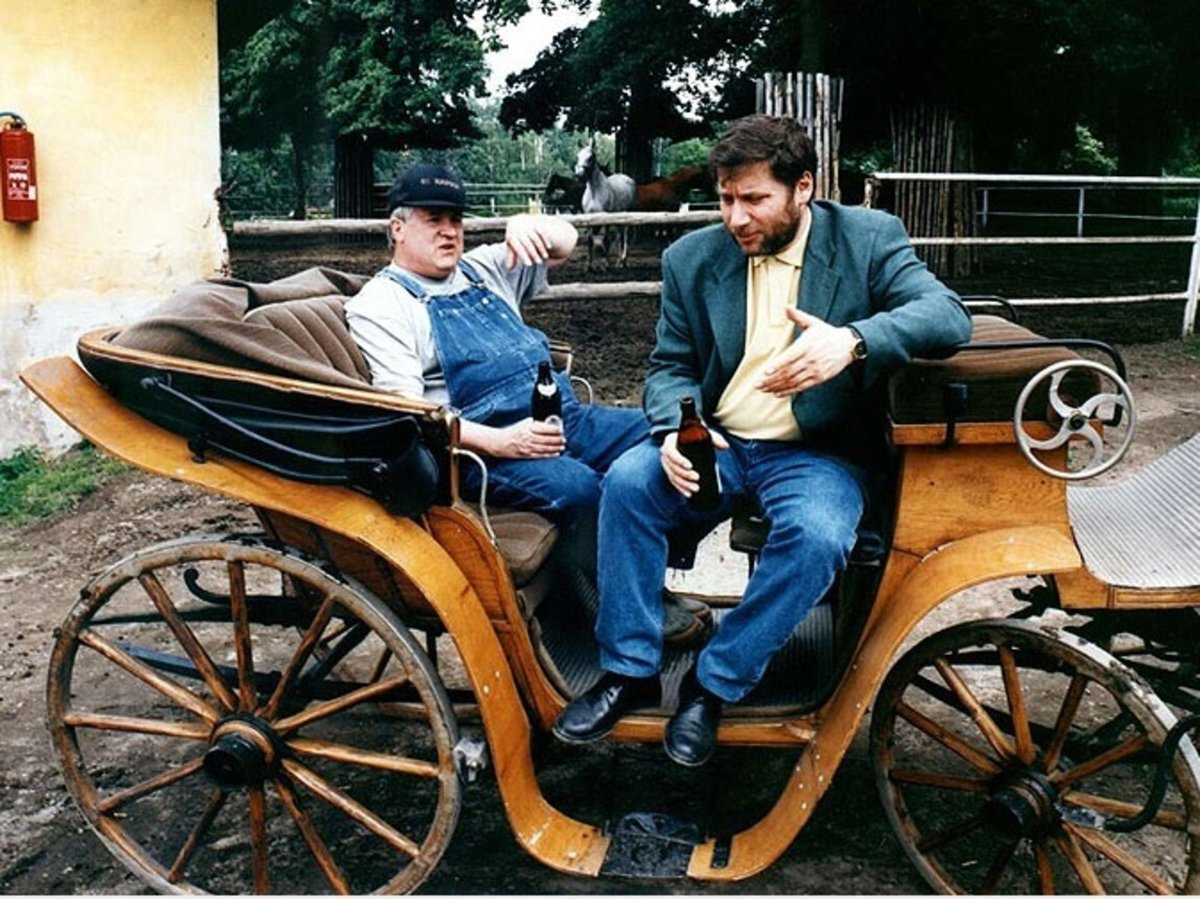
point(295, 327)
point(980, 383)
point(972, 385)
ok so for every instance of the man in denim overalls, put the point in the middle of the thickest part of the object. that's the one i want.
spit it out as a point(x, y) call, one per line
point(446, 327)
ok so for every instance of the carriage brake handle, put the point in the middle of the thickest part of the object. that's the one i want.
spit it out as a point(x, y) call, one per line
point(1158, 789)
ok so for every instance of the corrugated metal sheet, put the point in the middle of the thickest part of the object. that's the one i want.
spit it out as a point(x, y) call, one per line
point(1144, 531)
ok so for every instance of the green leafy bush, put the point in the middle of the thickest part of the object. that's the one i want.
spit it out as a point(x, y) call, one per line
point(1088, 156)
point(33, 485)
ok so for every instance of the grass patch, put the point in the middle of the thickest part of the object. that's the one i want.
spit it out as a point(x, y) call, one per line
point(33, 485)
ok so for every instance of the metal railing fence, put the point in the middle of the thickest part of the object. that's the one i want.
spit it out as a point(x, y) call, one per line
point(1190, 296)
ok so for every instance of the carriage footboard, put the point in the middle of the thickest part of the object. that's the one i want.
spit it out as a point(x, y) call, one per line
point(1143, 533)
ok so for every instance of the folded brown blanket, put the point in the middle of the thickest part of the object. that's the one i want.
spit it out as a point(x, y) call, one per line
point(294, 327)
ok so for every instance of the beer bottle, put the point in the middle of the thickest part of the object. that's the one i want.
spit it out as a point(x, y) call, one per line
point(695, 443)
point(546, 404)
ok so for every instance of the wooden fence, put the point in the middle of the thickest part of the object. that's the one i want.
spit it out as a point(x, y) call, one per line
point(815, 100)
point(285, 229)
point(695, 219)
point(930, 139)
point(281, 228)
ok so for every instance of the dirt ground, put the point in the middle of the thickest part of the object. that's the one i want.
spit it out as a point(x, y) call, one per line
point(848, 848)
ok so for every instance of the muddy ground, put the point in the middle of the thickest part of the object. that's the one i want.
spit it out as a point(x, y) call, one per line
point(848, 847)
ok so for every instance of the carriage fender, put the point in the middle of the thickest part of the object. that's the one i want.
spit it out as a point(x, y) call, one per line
point(912, 587)
point(918, 586)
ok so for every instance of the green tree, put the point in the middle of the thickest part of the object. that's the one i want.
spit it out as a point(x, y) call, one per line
point(366, 74)
point(629, 72)
point(498, 157)
point(1020, 74)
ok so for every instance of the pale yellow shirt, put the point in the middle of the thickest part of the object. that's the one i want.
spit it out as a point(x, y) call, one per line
point(771, 286)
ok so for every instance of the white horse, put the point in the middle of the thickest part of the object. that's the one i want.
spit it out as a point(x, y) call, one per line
point(604, 193)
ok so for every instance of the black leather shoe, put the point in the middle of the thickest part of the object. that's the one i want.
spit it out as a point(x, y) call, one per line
point(592, 715)
point(685, 620)
point(691, 735)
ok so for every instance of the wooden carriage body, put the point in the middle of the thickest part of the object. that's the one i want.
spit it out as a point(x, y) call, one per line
point(968, 509)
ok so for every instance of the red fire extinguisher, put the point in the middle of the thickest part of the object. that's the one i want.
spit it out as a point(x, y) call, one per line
point(18, 169)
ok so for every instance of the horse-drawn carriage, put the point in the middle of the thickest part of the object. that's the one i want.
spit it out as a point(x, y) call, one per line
point(296, 710)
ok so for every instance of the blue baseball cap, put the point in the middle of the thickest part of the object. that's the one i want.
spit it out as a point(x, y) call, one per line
point(428, 186)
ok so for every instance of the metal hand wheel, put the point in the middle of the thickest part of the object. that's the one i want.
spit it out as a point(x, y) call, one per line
point(1078, 429)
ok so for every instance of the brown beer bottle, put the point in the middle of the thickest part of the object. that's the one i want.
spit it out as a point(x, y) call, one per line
point(696, 445)
point(546, 404)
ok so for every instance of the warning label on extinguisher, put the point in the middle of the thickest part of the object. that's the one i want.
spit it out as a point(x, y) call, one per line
point(16, 180)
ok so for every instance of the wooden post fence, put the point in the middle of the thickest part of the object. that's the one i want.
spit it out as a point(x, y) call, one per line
point(930, 139)
point(815, 100)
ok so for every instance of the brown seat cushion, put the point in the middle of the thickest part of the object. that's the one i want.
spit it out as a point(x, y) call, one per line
point(993, 377)
point(317, 328)
point(525, 540)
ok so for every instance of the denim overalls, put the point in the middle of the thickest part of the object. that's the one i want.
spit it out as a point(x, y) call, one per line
point(489, 357)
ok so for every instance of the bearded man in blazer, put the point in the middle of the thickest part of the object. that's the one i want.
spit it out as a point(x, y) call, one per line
point(781, 324)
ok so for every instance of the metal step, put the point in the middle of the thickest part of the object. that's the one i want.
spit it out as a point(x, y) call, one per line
point(650, 845)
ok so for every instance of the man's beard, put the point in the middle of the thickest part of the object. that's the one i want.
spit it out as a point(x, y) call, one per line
point(775, 240)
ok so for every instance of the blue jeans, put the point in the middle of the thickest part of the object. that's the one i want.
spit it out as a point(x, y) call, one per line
point(568, 486)
point(814, 501)
point(490, 359)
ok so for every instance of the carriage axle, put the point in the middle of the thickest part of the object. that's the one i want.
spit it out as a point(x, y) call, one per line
point(1025, 805)
point(244, 751)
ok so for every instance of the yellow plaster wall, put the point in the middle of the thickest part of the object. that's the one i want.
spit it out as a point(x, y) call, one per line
point(122, 97)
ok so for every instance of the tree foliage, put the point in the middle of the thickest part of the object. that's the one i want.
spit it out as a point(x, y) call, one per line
point(1024, 73)
point(391, 73)
point(1027, 76)
point(629, 71)
point(498, 156)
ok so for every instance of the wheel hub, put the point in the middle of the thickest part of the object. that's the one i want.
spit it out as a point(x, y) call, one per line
point(1023, 805)
point(243, 751)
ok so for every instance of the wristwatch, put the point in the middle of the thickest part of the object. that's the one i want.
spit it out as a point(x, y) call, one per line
point(859, 350)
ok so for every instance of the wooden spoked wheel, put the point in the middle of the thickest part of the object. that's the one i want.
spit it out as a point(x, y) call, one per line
point(1002, 748)
point(225, 715)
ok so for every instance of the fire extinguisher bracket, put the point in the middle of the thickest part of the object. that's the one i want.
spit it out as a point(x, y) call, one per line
point(18, 170)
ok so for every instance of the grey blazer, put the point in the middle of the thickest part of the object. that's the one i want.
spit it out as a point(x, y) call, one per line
point(859, 269)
